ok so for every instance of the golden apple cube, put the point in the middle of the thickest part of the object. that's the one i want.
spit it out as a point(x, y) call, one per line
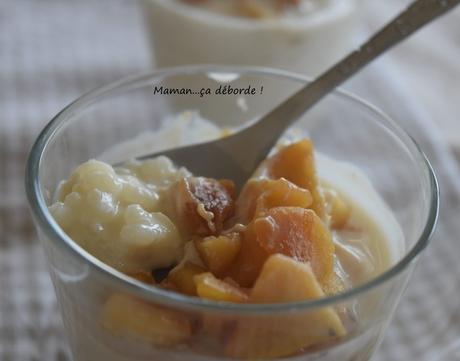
point(296, 163)
point(284, 279)
point(125, 315)
point(219, 252)
point(340, 211)
point(182, 277)
point(212, 288)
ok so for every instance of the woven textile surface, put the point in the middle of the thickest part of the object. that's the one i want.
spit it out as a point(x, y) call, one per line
point(52, 51)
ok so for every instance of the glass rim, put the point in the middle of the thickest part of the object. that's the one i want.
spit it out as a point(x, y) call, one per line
point(46, 223)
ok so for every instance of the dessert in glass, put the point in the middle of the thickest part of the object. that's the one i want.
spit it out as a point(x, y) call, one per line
point(284, 34)
point(306, 261)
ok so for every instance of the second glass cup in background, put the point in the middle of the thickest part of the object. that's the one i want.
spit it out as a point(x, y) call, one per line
point(304, 41)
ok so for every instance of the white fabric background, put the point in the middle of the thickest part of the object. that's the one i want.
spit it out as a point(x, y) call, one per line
point(51, 51)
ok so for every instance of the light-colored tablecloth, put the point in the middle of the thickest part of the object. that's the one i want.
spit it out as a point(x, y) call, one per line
point(51, 51)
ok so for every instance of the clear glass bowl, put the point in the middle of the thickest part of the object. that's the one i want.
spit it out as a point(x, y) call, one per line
point(341, 126)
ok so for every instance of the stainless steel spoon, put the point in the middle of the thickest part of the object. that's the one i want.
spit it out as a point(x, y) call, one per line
point(236, 157)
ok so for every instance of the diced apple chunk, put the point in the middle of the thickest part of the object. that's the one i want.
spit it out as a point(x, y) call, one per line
point(249, 261)
point(294, 280)
point(296, 163)
point(297, 233)
point(182, 277)
point(125, 315)
point(202, 205)
point(259, 195)
point(219, 252)
point(212, 288)
point(292, 231)
point(283, 279)
point(339, 210)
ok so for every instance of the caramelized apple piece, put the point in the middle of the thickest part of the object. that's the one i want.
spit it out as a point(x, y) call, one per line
point(212, 288)
point(292, 231)
point(202, 205)
point(229, 186)
point(249, 260)
point(298, 233)
point(283, 279)
point(182, 277)
point(296, 163)
point(339, 210)
point(219, 252)
point(259, 195)
point(127, 316)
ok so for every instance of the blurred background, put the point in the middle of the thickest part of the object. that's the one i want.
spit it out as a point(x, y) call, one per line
point(51, 51)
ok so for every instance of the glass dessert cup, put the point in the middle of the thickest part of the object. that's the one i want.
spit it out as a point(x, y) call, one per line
point(341, 126)
point(183, 34)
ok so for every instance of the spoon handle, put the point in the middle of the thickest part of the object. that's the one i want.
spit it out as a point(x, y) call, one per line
point(418, 14)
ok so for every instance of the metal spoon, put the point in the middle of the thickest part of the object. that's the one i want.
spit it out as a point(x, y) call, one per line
point(237, 156)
